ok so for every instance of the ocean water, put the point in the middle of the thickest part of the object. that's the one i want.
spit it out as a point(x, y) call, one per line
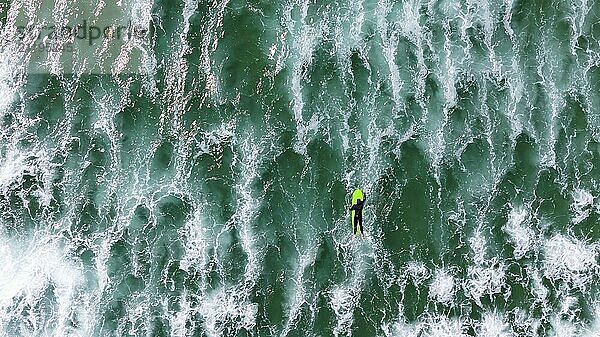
point(195, 180)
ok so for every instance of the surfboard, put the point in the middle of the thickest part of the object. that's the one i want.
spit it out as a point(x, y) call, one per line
point(357, 194)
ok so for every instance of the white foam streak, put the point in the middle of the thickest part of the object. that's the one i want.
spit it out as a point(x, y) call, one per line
point(307, 38)
point(345, 297)
point(413, 31)
point(485, 281)
point(389, 38)
point(28, 268)
point(443, 327)
point(494, 325)
point(508, 6)
point(569, 260)
point(247, 205)
point(579, 11)
point(212, 139)
point(12, 62)
point(299, 292)
point(418, 272)
point(400, 329)
point(538, 289)
point(582, 206)
point(442, 288)
point(228, 305)
point(519, 231)
point(478, 245)
point(16, 165)
point(196, 256)
point(516, 88)
point(210, 42)
point(101, 262)
point(561, 328)
point(431, 326)
point(179, 319)
point(12, 170)
point(546, 70)
point(343, 300)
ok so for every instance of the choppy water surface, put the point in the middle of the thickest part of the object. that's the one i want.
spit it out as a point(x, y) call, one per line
point(196, 182)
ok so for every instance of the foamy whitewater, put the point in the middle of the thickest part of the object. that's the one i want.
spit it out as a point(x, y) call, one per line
point(184, 168)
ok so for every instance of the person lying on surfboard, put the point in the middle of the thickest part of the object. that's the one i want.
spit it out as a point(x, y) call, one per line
point(358, 220)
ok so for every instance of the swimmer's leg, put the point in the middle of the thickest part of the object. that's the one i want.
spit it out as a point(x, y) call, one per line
point(359, 225)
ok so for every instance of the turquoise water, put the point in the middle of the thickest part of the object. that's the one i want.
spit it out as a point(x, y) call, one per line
point(195, 180)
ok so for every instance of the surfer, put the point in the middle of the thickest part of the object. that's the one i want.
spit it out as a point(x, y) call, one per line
point(358, 220)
